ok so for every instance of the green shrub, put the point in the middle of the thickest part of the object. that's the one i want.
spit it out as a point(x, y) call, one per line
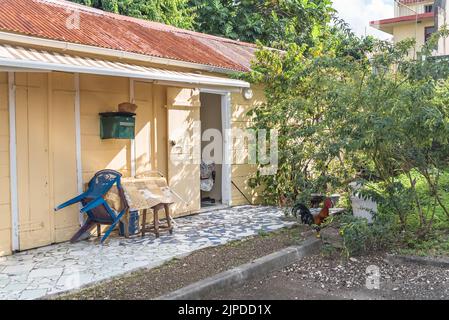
point(437, 244)
point(360, 237)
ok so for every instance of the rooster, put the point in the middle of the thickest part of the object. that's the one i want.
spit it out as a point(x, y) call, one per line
point(324, 213)
point(304, 213)
point(308, 218)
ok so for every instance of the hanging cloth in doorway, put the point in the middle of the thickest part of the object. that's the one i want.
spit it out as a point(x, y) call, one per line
point(207, 176)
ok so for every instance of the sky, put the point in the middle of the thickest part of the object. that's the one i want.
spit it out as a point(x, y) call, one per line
point(358, 14)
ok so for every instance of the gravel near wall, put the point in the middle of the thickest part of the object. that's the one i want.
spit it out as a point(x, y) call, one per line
point(319, 277)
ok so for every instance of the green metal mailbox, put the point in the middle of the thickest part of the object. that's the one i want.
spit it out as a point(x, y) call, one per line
point(117, 125)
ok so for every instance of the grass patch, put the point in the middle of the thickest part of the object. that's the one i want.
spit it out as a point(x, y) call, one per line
point(441, 220)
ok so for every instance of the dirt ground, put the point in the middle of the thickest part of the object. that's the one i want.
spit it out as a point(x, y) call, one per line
point(318, 277)
point(315, 277)
point(148, 284)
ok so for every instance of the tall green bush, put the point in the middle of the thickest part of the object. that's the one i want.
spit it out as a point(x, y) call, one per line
point(380, 118)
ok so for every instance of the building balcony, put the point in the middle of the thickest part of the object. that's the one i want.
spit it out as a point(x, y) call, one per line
point(387, 25)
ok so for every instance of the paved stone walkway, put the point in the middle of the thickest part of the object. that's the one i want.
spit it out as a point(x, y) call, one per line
point(35, 273)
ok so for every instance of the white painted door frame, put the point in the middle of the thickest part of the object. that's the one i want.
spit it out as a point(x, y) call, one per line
point(15, 243)
point(79, 163)
point(226, 181)
point(133, 141)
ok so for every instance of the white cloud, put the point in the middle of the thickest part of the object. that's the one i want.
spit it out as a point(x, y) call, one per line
point(358, 14)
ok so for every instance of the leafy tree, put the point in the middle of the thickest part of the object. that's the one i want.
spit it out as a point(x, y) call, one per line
point(272, 22)
point(172, 12)
point(368, 113)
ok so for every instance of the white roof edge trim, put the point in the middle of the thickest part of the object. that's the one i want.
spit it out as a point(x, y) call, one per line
point(18, 57)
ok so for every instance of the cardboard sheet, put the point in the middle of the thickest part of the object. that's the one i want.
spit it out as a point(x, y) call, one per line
point(145, 193)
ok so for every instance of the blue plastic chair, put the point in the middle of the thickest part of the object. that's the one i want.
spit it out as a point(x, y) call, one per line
point(97, 209)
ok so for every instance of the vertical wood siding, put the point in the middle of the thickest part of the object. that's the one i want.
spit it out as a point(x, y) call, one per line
point(102, 94)
point(241, 172)
point(5, 211)
point(63, 171)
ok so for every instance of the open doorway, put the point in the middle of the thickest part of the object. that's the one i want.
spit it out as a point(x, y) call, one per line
point(211, 150)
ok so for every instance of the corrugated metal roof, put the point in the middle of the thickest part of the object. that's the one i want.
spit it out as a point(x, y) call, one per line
point(19, 57)
point(48, 19)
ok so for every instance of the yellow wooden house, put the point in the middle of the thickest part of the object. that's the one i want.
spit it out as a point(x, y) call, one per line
point(61, 64)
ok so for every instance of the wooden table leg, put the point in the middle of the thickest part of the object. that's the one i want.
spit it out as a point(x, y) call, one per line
point(144, 221)
point(168, 217)
point(126, 224)
point(98, 230)
point(156, 221)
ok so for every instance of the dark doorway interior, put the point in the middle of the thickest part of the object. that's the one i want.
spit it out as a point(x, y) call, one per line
point(211, 195)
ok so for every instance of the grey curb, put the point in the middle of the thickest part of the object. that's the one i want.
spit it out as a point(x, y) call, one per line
point(231, 278)
point(425, 261)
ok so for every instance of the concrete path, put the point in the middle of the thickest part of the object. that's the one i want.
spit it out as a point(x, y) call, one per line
point(35, 273)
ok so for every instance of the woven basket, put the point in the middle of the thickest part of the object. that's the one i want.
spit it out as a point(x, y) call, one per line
point(127, 107)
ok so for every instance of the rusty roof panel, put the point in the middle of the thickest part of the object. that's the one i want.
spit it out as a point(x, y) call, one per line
point(242, 55)
point(48, 19)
